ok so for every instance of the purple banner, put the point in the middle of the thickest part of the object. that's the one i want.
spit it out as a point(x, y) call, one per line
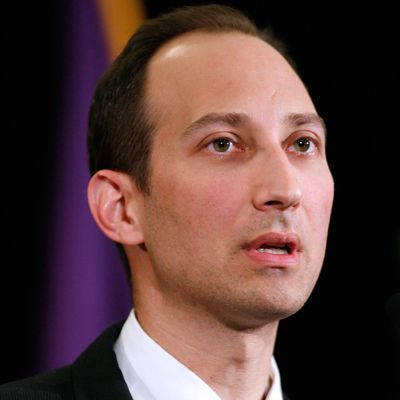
point(85, 286)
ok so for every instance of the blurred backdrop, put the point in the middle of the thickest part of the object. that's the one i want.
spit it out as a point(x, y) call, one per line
point(63, 281)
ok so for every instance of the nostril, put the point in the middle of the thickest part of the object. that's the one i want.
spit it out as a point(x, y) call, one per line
point(281, 204)
point(279, 198)
point(272, 203)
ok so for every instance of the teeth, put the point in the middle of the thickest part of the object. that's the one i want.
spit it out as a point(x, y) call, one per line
point(273, 250)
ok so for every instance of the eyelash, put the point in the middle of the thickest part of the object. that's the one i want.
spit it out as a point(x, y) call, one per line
point(232, 144)
point(311, 141)
point(235, 147)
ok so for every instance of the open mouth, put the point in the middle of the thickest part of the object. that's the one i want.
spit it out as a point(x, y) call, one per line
point(275, 243)
point(274, 249)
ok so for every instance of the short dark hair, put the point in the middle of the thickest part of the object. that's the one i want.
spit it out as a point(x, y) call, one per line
point(120, 124)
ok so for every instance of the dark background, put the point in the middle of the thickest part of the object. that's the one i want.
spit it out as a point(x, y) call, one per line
point(342, 344)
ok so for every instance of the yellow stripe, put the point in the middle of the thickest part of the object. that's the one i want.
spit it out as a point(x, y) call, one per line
point(120, 19)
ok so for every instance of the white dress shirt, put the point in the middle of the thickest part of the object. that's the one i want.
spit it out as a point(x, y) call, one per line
point(151, 373)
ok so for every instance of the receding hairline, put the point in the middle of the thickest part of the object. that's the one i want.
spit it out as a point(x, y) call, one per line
point(174, 42)
point(168, 46)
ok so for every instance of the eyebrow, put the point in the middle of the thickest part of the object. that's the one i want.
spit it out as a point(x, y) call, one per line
point(233, 119)
point(236, 119)
point(298, 119)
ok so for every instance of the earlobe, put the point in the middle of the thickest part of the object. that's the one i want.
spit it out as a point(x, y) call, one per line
point(115, 203)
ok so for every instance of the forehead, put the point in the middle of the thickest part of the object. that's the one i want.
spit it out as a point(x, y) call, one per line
point(215, 45)
point(203, 72)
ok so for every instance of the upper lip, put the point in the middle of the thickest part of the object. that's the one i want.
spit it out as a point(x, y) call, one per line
point(290, 240)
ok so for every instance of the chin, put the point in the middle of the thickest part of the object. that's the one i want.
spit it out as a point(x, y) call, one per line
point(256, 314)
point(290, 303)
point(282, 304)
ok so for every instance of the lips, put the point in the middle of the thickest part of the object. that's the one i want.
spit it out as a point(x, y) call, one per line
point(275, 249)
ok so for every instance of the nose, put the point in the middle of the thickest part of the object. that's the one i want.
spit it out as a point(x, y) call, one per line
point(278, 185)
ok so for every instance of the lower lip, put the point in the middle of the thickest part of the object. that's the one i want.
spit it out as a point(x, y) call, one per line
point(274, 260)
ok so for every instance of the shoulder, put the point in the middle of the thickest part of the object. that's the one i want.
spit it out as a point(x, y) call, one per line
point(54, 385)
point(94, 375)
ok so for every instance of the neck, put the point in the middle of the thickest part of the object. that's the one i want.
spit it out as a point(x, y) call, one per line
point(235, 362)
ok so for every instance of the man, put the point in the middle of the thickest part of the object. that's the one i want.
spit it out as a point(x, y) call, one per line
point(209, 170)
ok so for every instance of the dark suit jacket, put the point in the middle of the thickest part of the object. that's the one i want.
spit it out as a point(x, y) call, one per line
point(95, 375)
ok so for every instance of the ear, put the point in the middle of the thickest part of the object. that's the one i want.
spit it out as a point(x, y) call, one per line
point(116, 205)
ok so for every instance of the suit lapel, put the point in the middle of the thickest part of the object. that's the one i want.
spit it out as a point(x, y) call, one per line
point(95, 374)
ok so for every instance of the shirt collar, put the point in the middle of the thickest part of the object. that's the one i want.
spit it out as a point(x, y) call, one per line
point(151, 373)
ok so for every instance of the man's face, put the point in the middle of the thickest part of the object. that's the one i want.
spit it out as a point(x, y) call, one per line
point(236, 220)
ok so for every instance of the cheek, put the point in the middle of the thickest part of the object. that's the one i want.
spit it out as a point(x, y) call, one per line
point(318, 203)
point(191, 217)
point(326, 196)
point(205, 200)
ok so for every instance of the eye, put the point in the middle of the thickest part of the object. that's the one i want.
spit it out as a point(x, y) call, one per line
point(221, 145)
point(304, 145)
